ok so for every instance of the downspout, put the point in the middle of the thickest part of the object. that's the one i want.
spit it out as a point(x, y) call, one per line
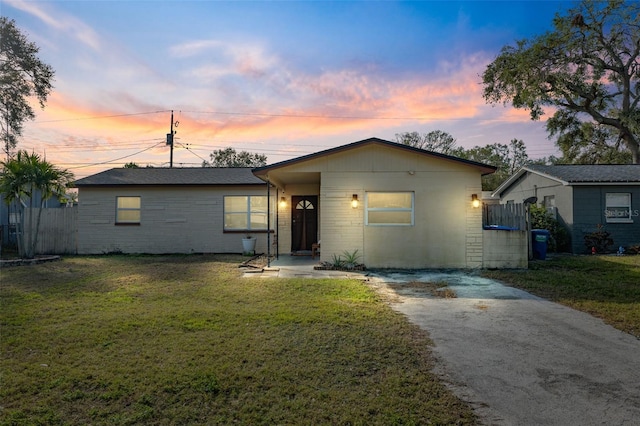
point(277, 234)
point(268, 223)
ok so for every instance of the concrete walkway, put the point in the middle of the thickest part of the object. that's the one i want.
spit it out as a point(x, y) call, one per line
point(286, 266)
point(516, 358)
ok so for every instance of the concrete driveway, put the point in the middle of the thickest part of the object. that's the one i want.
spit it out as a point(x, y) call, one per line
point(521, 360)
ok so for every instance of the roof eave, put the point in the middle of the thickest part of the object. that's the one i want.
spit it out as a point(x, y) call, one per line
point(263, 171)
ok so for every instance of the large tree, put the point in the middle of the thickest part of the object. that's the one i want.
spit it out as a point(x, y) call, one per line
point(30, 181)
point(587, 142)
point(586, 69)
point(228, 157)
point(22, 76)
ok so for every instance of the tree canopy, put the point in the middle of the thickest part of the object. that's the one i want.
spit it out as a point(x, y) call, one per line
point(586, 69)
point(508, 158)
point(436, 140)
point(228, 157)
point(22, 75)
point(29, 181)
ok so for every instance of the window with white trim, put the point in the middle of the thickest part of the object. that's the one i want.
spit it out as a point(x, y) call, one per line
point(389, 208)
point(245, 213)
point(618, 208)
point(128, 210)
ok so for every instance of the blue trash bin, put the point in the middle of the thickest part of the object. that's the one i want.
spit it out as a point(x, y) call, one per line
point(539, 243)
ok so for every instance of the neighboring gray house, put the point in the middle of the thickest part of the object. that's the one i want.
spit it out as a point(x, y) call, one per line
point(581, 197)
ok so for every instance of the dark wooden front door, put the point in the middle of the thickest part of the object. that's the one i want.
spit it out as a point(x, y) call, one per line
point(304, 222)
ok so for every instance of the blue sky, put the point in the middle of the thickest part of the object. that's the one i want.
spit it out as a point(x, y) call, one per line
point(283, 78)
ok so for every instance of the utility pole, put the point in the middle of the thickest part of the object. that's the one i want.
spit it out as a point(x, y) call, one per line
point(170, 141)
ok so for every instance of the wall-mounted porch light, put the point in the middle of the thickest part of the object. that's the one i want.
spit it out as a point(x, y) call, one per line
point(354, 201)
point(283, 202)
point(475, 202)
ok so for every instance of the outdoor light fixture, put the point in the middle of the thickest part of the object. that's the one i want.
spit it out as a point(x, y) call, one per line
point(475, 202)
point(283, 202)
point(354, 201)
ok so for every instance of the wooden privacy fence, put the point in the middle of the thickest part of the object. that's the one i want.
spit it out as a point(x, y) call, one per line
point(58, 232)
point(504, 216)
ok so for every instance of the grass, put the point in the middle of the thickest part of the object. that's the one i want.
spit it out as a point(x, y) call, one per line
point(166, 340)
point(607, 287)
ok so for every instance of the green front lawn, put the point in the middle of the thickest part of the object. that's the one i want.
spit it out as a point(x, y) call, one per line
point(187, 340)
point(605, 286)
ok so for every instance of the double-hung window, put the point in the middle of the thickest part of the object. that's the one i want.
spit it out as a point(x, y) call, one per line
point(127, 210)
point(389, 208)
point(618, 209)
point(245, 213)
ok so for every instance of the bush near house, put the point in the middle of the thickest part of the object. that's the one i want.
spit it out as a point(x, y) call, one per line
point(598, 241)
point(542, 219)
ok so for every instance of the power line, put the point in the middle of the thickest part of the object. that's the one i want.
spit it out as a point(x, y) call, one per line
point(116, 159)
point(260, 114)
point(338, 117)
point(190, 150)
point(100, 117)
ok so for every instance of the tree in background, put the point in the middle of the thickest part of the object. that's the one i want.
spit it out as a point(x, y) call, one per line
point(31, 181)
point(587, 69)
point(22, 75)
point(508, 158)
point(228, 157)
point(436, 141)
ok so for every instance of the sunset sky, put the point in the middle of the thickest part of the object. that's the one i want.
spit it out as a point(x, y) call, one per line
point(281, 78)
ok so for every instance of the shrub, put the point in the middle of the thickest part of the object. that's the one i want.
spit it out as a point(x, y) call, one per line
point(350, 259)
point(542, 219)
point(600, 239)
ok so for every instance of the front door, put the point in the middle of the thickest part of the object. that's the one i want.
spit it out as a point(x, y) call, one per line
point(304, 222)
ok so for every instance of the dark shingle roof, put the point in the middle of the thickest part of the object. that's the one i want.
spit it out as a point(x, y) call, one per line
point(590, 173)
point(172, 176)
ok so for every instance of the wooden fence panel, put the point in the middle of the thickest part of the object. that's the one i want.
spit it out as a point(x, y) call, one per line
point(58, 230)
point(505, 215)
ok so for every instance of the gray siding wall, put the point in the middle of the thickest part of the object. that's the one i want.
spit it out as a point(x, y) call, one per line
point(173, 220)
point(590, 206)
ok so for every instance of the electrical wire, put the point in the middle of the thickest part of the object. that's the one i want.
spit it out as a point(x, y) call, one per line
point(116, 159)
point(100, 117)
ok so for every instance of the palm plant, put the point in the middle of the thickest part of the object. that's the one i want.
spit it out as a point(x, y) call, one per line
point(24, 178)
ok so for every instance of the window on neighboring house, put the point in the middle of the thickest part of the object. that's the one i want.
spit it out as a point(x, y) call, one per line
point(245, 213)
point(549, 204)
point(389, 208)
point(618, 207)
point(127, 210)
